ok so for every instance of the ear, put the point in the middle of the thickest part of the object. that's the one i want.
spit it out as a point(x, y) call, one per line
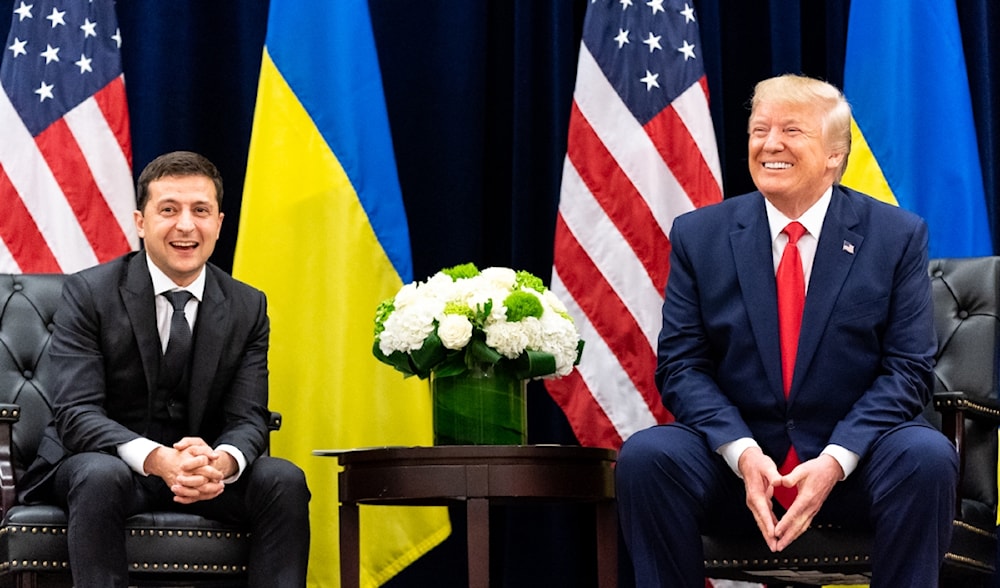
point(140, 223)
point(835, 159)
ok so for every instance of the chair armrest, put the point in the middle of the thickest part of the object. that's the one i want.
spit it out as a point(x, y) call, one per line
point(952, 403)
point(955, 408)
point(9, 414)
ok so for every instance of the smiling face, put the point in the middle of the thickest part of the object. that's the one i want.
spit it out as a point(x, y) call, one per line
point(791, 161)
point(180, 224)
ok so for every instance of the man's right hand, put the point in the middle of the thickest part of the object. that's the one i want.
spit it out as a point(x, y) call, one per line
point(189, 469)
point(760, 475)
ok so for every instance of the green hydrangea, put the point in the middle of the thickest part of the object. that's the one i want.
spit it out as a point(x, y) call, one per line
point(383, 311)
point(459, 308)
point(528, 280)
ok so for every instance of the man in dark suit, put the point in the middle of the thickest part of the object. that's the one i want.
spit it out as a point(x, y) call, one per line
point(134, 432)
point(817, 407)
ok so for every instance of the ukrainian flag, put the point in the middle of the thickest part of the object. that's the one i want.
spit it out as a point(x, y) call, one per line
point(914, 139)
point(323, 232)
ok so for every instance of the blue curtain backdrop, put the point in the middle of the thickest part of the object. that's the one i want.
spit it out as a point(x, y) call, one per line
point(478, 94)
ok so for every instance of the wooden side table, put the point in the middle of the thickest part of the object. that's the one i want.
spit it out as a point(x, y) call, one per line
point(479, 476)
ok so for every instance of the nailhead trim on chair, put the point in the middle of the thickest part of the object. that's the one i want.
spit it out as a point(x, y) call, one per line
point(199, 533)
point(55, 565)
point(967, 560)
point(966, 404)
point(135, 566)
point(25, 529)
point(784, 561)
point(974, 529)
point(163, 567)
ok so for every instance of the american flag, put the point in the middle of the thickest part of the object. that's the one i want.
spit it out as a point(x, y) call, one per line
point(641, 151)
point(66, 191)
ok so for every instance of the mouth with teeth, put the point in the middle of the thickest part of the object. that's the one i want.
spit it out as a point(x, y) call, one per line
point(184, 245)
point(776, 165)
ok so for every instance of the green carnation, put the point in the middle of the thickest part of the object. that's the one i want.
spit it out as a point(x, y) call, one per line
point(458, 272)
point(520, 305)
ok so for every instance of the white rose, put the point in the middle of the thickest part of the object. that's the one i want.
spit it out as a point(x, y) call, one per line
point(455, 331)
point(501, 278)
point(554, 302)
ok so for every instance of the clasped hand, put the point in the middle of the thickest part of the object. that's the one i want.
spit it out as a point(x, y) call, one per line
point(192, 469)
point(814, 479)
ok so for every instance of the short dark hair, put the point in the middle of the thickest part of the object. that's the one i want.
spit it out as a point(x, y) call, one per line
point(177, 164)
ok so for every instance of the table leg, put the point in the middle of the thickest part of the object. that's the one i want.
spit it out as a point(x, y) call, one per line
point(350, 551)
point(478, 523)
point(607, 544)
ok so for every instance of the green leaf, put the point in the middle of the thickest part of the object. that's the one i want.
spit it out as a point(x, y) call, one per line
point(533, 364)
point(397, 359)
point(431, 353)
point(477, 351)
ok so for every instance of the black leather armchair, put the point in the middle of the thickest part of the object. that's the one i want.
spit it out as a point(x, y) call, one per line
point(966, 295)
point(164, 548)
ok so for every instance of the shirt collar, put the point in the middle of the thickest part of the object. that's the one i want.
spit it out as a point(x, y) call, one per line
point(161, 283)
point(811, 219)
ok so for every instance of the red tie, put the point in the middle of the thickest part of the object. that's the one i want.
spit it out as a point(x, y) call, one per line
point(791, 298)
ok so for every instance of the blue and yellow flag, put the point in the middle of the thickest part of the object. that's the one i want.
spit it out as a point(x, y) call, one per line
point(323, 232)
point(914, 139)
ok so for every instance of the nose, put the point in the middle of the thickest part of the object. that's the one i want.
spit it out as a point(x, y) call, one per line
point(772, 142)
point(185, 220)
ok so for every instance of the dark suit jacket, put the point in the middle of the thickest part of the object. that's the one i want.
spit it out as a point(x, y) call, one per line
point(106, 351)
point(867, 342)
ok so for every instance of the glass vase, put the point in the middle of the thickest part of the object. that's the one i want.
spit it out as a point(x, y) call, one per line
point(483, 406)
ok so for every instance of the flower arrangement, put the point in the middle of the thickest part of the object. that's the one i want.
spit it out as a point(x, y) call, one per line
point(463, 317)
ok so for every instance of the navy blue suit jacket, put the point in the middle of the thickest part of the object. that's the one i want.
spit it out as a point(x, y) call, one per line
point(865, 357)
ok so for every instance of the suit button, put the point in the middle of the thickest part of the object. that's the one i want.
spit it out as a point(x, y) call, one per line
point(790, 424)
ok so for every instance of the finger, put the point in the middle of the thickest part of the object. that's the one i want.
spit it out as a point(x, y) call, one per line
point(785, 539)
point(191, 464)
point(187, 442)
point(208, 473)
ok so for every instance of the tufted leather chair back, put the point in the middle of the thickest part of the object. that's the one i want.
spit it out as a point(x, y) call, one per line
point(27, 305)
point(966, 294)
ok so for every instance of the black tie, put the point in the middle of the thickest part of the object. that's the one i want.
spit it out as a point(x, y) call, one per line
point(175, 358)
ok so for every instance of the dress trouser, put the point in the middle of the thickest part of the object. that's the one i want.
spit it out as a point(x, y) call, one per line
point(100, 492)
point(670, 486)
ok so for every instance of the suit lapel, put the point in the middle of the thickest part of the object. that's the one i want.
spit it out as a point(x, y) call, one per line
point(136, 291)
point(209, 330)
point(835, 254)
point(751, 244)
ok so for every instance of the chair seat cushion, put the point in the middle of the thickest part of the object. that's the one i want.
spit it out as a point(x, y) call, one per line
point(34, 538)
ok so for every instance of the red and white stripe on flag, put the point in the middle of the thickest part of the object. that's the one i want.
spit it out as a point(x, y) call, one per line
point(641, 151)
point(65, 159)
